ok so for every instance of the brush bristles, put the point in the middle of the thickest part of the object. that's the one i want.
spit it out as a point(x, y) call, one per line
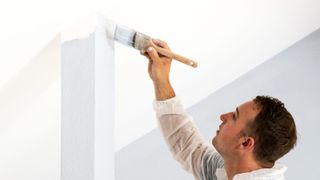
point(132, 38)
point(142, 41)
point(124, 35)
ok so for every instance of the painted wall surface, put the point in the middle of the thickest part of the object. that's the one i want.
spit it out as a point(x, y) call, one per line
point(293, 76)
point(30, 119)
point(87, 117)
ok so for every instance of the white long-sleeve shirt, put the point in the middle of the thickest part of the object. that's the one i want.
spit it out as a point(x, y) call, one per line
point(193, 153)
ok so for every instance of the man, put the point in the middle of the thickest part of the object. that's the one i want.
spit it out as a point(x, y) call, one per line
point(247, 144)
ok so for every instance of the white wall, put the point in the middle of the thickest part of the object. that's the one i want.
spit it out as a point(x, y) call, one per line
point(30, 119)
point(87, 103)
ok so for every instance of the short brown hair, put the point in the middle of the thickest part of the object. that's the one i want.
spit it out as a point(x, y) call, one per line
point(273, 129)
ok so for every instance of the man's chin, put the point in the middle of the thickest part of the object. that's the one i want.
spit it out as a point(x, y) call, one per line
point(215, 144)
point(214, 141)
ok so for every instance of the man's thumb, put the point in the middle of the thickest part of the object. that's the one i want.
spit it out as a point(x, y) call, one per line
point(153, 54)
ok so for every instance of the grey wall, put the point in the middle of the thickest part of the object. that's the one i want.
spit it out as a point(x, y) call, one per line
point(293, 76)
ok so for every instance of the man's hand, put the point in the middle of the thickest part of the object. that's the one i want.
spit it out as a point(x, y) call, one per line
point(159, 70)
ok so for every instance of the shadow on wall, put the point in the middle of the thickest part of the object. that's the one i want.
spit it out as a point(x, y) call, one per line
point(26, 85)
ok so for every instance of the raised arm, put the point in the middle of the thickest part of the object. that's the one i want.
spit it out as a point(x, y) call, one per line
point(181, 134)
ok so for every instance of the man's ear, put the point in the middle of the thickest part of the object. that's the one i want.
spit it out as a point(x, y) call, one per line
point(247, 143)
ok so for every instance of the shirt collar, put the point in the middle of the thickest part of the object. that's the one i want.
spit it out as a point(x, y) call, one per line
point(274, 173)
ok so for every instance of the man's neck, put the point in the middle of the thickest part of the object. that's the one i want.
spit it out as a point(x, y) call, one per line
point(242, 165)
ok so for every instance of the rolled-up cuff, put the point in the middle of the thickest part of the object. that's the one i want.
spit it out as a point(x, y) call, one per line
point(169, 106)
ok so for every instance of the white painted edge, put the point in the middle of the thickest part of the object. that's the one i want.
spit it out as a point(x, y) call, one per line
point(83, 28)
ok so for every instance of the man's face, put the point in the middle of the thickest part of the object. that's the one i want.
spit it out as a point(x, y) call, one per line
point(229, 137)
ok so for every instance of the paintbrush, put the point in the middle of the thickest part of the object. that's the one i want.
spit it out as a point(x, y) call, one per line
point(141, 42)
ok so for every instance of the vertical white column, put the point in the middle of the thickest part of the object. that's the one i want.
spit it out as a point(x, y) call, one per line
point(88, 105)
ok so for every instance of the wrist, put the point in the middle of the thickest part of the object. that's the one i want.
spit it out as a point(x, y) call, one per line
point(161, 82)
point(163, 90)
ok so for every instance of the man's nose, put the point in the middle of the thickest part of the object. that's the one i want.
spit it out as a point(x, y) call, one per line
point(224, 117)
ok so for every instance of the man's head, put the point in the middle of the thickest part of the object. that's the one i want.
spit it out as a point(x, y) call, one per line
point(261, 127)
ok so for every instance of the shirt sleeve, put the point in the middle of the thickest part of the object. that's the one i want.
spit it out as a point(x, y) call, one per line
point(184, 140)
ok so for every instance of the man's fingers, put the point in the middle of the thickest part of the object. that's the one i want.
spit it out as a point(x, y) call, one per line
point(145, 54)
point(160, 43)
point(153, 54)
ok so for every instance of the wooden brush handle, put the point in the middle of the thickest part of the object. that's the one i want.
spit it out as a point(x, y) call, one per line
point(175, 56)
